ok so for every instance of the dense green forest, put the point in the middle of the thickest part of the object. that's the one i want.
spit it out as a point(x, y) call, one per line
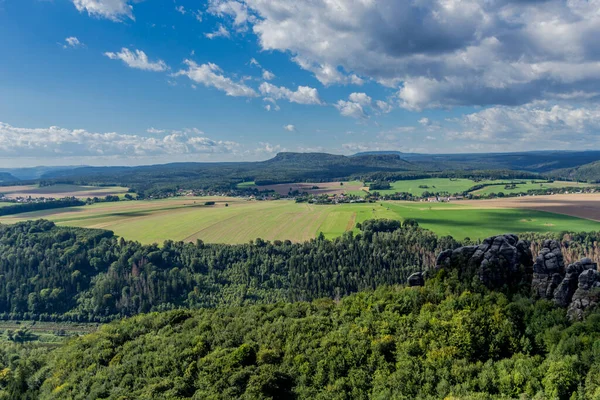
point(54, 273)
point(19, 208)
point(450, 339)
point(322, 319)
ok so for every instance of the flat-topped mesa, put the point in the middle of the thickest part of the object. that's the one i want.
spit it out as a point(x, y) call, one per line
point(498, 262)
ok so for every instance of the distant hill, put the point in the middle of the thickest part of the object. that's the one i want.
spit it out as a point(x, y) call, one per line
point(33, 173)
point(5, 177)
point(533, 161)
point(587, 172)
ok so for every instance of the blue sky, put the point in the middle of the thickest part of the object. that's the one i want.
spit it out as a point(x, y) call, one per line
point(111, 82)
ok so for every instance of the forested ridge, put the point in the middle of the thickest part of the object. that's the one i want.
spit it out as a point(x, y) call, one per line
point(324, 319)
point(449, 339)
point(55, 273)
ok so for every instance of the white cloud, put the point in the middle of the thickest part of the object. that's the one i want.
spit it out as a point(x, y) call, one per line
point(235, 10)
point(114, 10)
point(137, 59)
point(268, 75)
point(72, 42)
point(350, 109)
point(61, 142)
point(425, 121)
point(360, 98)
point(358, 104)
point(438, 53)
point(220, 32)
point(303, 95)
point(210, 75)
point(289, 128)
point(181, 10)
point(532, 126)
point(383, 107)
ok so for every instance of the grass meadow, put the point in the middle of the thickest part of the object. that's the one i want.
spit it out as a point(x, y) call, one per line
point(234, 220)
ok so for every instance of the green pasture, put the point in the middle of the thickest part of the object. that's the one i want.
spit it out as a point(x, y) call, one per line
point(433, 185)
point(240, 221)
point(245, 185)
point(523, 188)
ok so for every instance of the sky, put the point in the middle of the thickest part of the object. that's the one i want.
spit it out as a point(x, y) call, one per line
point(130, 82)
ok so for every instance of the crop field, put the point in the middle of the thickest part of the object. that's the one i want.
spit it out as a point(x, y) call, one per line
point(59, 191)
point(316, 188)
point(523, 188)
point(435, 185)
point(418, 186)
point(234, 220)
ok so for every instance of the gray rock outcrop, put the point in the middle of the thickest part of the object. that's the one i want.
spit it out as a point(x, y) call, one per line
point(416, 279)
point(497, 261)
point(587, 295)
point(504, 261)
point(548, 270)
point(563, 294)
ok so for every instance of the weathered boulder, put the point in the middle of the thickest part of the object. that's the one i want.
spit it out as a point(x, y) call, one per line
point(563, 294)
point(587, 295)
point(548, 270)
point(498, 261)
point(416, 279)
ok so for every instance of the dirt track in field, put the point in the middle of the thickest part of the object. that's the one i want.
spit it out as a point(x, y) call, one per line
point(323, 188)
point(576, 205)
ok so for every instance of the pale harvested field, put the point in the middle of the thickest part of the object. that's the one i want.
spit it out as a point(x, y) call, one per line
point(585, 205)
point(59, 191)
point(324, 187)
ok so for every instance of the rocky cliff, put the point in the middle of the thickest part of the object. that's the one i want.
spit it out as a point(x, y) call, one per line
point(505, 263)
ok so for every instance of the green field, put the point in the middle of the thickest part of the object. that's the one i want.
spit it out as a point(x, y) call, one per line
point(241, 221)
point(245, 185)
point(523, 188)
point(62, 190)
point(434, 185)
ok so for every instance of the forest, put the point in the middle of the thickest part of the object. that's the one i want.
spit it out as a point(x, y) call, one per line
point(321, 319)
point(450, 339)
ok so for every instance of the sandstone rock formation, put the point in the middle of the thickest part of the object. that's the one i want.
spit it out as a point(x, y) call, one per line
point(587, 295)
point(567, 287)
point(497, 261)
point(504, 262)
point(548, 270)
point(416, 279)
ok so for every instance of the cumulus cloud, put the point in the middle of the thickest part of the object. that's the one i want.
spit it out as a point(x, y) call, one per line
point(237, 11)
point(358, 103)
point(72, 42)
point(438, 53)
point(137, 59)
point(210, 75)
point(114, 10)
point(220, 32)
point(547, 126)
point(266, 75)
point(350, 109)
point(61, 142)
point(181, 10)
point(303, 95)
point(289, 128)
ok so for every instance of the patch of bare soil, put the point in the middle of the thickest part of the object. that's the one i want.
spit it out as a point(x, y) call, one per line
point(584, 205)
